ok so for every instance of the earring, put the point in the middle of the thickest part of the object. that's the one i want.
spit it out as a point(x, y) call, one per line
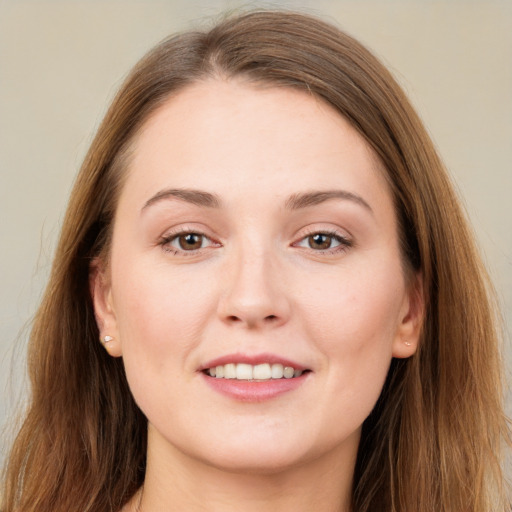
point(408, 343)
point(106, 339)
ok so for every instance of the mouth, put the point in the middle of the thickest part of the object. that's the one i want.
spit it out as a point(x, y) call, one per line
point(258, 372)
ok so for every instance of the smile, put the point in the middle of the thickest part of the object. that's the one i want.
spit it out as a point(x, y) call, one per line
point(259, 372)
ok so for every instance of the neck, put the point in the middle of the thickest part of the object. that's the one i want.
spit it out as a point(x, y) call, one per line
point(180, 482)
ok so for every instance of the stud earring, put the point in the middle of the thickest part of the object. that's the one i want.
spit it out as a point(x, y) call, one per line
point(106, 339)
point(408, 343)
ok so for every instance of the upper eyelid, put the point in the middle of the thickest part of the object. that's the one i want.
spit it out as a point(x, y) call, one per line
point(333, 234)
point(332, 230)
point(185, 229)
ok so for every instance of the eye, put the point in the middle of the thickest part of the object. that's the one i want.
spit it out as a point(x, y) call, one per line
point(324, 242)
point(185, 242)
point(321, 241)
point(189, 241)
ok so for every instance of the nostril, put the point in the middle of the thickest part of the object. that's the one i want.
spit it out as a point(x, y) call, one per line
point(252, 320)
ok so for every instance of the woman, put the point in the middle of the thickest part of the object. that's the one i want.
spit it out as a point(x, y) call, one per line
point(291, 311)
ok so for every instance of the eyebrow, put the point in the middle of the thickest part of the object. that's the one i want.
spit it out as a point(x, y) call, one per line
point(306, 199)
point(294, 202)
point(197, 197)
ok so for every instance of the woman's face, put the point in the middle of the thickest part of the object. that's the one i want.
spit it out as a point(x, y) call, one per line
point(255, 233)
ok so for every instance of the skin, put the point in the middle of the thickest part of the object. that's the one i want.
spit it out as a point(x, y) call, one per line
point(257, 284)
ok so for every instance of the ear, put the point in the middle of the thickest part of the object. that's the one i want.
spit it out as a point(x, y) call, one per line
point(101, 293)
point(411, 320)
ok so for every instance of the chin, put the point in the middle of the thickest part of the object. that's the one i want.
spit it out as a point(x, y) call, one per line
point(271, 452)
point(255, 452)
point(256, 462)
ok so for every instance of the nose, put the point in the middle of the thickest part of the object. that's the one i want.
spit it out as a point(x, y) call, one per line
point(256, 294)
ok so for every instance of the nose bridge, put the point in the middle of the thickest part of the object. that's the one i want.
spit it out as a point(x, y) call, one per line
point(254, 295)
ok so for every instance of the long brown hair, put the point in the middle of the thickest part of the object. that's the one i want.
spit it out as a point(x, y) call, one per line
point(434, 439)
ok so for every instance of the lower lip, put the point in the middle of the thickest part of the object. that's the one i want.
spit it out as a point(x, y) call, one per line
point(252, 390)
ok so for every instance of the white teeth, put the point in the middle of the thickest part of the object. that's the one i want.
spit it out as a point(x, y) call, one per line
point(230, 371)
point(277, 371)
point(288, 372)
point(243, 371)
point(261, 372)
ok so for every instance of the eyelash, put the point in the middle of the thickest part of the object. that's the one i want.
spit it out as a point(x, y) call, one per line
point(166, 240)
point(344, 242)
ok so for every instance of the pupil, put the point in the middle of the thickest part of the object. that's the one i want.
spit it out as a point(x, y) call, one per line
point(190, 241)
point(320, 241)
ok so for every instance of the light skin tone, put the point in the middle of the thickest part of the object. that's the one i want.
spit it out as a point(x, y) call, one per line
point(254, 222)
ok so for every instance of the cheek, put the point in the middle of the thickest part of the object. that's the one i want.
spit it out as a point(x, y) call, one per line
point(354, 326)
point(160, 314)
point(358, 309)
point(160, 320)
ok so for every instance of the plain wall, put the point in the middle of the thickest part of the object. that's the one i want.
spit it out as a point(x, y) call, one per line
point(61, 63)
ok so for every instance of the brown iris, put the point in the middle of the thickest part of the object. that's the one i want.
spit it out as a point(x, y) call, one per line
point(190, 241)
point(320, 241)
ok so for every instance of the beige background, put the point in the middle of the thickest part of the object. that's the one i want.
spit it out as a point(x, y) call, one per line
point(61, 62)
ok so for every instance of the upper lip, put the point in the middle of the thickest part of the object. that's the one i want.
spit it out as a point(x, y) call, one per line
point(252, 360)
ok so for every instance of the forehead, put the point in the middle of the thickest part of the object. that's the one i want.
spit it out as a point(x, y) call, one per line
point(230, 136)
